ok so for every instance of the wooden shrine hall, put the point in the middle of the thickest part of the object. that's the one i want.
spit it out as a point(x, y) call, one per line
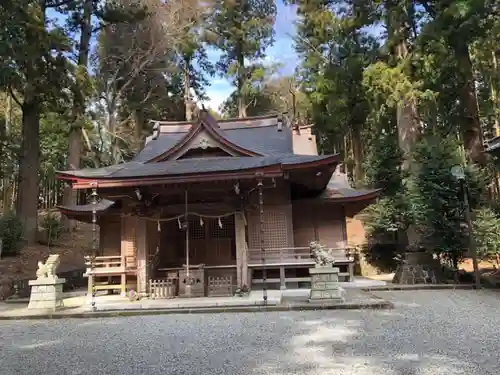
point(209, 207)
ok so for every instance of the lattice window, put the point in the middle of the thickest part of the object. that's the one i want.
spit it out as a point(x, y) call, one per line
point(196, 230)
point(276, 228)
point(227, 230)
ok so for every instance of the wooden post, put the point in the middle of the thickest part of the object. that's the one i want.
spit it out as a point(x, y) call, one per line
point(142, 256)
point(123, 276)
point(282, 278)
point(127, 229)
point(90, 284)
point(241, 250)
point(260, 189)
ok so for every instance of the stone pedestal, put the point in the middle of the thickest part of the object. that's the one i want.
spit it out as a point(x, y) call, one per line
point(418, 268)
point(325, 285)
point(46, 294)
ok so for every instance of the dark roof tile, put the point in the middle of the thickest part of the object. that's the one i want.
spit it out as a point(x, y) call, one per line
point(193, 165)
point(264, 140)
point(100, 206)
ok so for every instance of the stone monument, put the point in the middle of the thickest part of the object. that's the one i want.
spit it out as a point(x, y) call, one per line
point(324, 277)
point(47, 289)
point(418, 267)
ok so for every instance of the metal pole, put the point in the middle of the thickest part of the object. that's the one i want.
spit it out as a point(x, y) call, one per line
point(94, 245)
point(472, 243)
point(186, 223)
point(187, 231)
point(260, 187)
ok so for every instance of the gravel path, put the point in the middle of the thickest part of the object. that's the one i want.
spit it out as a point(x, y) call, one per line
point(429, 332)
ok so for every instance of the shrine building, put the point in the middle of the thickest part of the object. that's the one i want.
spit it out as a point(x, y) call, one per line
point(212, 206)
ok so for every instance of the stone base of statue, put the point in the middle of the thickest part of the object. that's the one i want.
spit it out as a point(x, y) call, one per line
point(46, 294)
point(325, 286)
point(418, 268)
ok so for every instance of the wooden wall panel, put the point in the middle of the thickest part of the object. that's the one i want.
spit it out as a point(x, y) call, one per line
point(128, 240)
point(330, 226)
point(321, 222)
point(303, 224)
point(110, 236)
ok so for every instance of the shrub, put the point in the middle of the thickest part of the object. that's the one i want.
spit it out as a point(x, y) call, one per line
point(486, 231)
point(52, 228)
point(381, 255)
point(11, 233)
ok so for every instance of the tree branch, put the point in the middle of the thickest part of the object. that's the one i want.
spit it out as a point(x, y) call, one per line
point(14, 96)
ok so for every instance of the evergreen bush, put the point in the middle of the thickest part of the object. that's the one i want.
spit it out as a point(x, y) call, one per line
point(11, 233)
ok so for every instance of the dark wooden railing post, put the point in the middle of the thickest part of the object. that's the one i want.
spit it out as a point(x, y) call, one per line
point(260, 187)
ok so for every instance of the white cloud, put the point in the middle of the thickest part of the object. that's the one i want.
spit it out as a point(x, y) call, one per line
point(217, 96)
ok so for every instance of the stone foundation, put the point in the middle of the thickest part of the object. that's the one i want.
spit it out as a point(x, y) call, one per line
point(46, 294)
point(419, 268)
point(324, 285)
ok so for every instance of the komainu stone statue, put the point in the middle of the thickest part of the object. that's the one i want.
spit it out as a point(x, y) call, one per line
point(47, 270)
point(47, 289)
point(321, 255)
point(324, 277)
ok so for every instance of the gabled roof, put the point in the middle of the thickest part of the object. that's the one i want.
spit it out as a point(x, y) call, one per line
point(205, 123)
point(137, 173)
point(339, 189)
point(264, 136)
point(100, 207)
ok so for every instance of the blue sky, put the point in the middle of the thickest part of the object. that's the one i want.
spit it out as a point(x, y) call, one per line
point(281, 52)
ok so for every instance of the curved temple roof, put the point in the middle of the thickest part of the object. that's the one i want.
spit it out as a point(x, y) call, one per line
point(254, 143)
point(257, 135)
point(339, 189)
point(257, 145)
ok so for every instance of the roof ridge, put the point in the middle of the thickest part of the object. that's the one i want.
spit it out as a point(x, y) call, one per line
point(232, 119)
point(225, 129)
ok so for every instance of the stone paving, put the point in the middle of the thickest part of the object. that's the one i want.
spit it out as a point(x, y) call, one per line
point(430, 332)
point(78, 304)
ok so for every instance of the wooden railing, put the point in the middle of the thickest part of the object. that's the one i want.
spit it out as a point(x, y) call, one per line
point(293, 255)
point(110, 264)
point(280, 255)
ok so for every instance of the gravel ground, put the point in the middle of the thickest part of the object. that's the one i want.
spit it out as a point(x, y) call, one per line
point(429, 332)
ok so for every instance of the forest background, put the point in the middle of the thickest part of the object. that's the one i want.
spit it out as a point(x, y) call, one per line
point(402, 89)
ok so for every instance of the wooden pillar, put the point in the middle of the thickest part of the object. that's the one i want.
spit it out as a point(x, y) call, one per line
point(241, 250)
point(142, 256)
point(260, 189)
point(127, 247)
point(282, 278)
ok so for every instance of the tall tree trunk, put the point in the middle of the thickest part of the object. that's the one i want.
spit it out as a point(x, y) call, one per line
point(494, 93)
point(138, 130)
point(357, 152)
point(471, 126)
point(406, 115)
point(399, 22)
point(3, 141)
point(27, 195)
point(188, 104)
point(399, 13)
point(78, 111)
point(242, 105)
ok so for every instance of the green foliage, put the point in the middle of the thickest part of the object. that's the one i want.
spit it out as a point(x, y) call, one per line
point(386, 218)
point(383, 164)
point(383, 256)
point(335, 52)
point(52, 228)
point(270, 95)
point(436, 199)
point(486, 230)
point(242, 30)
point(11, 233)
